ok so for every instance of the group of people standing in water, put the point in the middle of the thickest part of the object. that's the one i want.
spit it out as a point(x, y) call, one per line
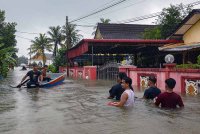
point(124, 93)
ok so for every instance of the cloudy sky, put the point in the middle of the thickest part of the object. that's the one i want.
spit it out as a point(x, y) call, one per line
point(35, 16)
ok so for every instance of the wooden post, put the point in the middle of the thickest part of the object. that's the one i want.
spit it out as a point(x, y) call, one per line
point(184, 55)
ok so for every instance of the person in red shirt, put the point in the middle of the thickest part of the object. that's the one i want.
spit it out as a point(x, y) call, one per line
point(169, 99)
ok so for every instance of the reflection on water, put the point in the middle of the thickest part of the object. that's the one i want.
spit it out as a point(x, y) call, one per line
point(81, 107)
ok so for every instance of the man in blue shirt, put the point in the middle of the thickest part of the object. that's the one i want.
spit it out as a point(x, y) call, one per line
point(152, 91)
point(117, 90)
point(34, 75)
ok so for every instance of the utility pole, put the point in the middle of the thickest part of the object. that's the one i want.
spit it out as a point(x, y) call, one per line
point(67, 44)
point(30, 56)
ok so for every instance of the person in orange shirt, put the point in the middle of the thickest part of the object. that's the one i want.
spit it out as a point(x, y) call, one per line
point(44, 74)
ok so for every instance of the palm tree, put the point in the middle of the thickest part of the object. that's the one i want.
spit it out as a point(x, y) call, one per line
point(56, 38)
point(40, 44)
point(102, 20)
point(71, 35)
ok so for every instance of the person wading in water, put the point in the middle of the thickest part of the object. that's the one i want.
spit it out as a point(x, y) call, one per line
point(127, 98)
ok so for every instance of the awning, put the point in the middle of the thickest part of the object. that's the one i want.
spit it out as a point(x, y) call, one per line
point(113, 46)
point(180, 47)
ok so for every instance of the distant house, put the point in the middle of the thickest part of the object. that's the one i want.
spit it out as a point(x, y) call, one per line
point(118, 43)
point(38, 59)
point(121, 31)
point(188, 32)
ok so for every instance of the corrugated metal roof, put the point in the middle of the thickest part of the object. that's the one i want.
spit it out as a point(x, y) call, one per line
point(186, 24)
point(123, 31)
point(120, 45)
point(180, 47)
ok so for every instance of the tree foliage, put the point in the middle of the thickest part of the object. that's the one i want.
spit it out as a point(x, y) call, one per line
point(154, 33)
point(167, 21)
point(7, 45)
point(102, 20)
point(6, 59)
point(56, 38)
point(71, 35)
point(60, 59)
point(39, 45)
point(198, 60)
point(22, 60)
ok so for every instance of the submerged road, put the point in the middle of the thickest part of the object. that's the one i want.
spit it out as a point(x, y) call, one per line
point(80, 107)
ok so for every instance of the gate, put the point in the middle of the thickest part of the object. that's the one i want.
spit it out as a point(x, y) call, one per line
point(108, 71)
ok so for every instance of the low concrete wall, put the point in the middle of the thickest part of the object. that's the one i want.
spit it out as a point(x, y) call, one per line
point(186, 79)
point(86, 72)
point(182, 77)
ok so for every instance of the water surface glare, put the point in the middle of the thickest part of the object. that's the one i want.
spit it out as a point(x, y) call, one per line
point(81, 107)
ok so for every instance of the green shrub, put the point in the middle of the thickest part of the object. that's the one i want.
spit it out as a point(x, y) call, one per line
point(52, 68)
point(60, 59)
point(198, 60)
point(188, 66)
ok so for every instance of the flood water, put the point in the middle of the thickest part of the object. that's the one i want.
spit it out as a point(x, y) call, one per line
point(80, 107)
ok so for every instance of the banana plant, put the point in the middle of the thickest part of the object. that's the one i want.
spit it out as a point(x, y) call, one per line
point(6, 59)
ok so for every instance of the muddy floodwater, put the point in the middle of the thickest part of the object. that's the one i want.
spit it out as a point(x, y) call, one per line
point(80, 107)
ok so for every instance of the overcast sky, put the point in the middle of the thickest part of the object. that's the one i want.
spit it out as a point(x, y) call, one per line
point(35, 16)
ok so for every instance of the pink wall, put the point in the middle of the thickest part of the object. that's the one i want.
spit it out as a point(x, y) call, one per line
point(180, 75)
point(86, 72)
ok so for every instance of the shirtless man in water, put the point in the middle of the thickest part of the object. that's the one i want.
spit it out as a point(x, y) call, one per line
point(44, 74)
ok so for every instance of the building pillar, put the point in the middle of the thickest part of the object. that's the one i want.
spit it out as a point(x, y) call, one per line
point(92, 56)
point(135, 59)
point(184, 55)
point(168, 68)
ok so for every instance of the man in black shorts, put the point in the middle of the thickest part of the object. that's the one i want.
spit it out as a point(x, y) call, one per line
point(33, 75)
point(152, 91)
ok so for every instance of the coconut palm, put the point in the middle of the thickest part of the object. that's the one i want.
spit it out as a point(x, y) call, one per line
point(39, 45)
point(71, 35)
point(105, 21)
point(102, 20)
point(56, 38)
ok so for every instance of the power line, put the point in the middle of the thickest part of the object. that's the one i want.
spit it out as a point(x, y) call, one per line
point(124, 21)
point(103, 5)
point(154, 14)
point(26, 32)
point(140, 18)
point(86, 25)
point(145, 16)
point(105, 8)
point(23, 38)
point(121, 8)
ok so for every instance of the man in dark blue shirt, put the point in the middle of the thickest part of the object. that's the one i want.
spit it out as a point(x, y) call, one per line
point(117, 90)
point(33, 75)
point(152, 91)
